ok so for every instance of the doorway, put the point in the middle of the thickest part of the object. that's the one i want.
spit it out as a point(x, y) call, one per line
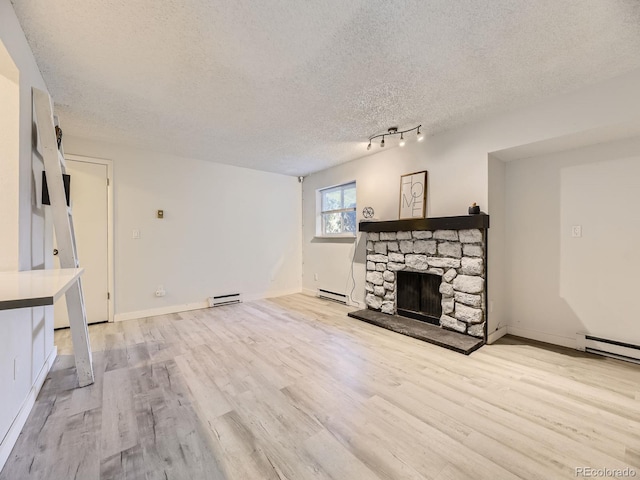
point(91, 204)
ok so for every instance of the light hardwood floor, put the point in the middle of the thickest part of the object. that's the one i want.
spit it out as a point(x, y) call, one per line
point(291, 388)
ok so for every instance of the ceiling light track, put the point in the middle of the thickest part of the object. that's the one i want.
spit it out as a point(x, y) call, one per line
point(394, 131)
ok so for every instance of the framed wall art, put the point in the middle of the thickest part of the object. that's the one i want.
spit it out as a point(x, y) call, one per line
point(413, 195)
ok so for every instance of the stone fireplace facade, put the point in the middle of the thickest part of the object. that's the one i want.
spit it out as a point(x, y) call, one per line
point(458, 256)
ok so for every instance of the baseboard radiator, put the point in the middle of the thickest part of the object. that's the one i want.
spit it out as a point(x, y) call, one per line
point(221, 300)
point(329, 295)
point(608, 347)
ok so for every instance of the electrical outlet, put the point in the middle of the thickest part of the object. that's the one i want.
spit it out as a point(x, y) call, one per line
point(315, 277)
point(160, 292)
point(576, 231)
point(136, 233)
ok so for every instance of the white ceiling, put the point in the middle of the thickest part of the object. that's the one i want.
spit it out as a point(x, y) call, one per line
point(296, 86)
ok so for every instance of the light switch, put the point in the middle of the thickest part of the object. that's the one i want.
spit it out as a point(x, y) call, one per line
point(136, 233)
point(576, 231)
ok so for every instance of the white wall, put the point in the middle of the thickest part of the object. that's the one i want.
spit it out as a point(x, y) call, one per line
point(225, 229)
point(9, 162)
point(457, 162)
point(378, 186)
point(559, 285)
point(27, 334)
point(496, 278)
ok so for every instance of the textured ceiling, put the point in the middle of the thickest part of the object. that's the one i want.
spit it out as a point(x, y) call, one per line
point(295, 86)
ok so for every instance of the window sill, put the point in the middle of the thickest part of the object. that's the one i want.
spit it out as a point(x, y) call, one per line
point(337, 238)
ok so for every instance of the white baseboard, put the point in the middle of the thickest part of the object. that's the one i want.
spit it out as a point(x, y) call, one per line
point(11, 437)
point(354, 303)
point(185, 307)
point(154, 312)
point(493, 337)
point(542, 336)
point(277, 293)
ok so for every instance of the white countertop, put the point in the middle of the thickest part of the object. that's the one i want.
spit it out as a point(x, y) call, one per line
point(35, 288)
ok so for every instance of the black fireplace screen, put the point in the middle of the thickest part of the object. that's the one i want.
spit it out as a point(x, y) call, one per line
point(418, 296)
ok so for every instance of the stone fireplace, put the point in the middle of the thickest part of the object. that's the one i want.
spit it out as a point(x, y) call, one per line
point(441, 259)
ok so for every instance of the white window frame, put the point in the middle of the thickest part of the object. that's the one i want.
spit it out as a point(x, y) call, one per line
point(320, 233)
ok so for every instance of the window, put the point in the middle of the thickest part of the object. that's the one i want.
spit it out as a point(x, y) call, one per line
point(338, 210)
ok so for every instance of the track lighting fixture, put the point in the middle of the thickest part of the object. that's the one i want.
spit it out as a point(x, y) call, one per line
point(394, 131)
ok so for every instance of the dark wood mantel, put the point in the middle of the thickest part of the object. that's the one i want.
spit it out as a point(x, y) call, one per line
point(462, 222)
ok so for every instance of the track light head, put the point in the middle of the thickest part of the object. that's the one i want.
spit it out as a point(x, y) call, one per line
point(382, 142)
point(369, 146)
point(420, 135)
point(402, 142)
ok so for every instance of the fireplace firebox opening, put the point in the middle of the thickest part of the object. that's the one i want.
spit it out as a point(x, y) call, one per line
point(419, 297)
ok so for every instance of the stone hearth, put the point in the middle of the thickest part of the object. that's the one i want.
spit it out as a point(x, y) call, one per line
point(457, 255)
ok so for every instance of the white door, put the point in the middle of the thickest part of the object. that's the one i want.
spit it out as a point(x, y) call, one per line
point(89, 203)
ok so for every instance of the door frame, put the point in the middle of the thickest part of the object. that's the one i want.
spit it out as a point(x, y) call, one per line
point(110, 250)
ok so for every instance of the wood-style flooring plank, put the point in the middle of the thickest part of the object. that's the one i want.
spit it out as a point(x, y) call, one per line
point(119, 426)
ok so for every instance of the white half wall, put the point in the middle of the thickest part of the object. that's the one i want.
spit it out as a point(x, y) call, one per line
point(225, 229)
point(558, 284)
